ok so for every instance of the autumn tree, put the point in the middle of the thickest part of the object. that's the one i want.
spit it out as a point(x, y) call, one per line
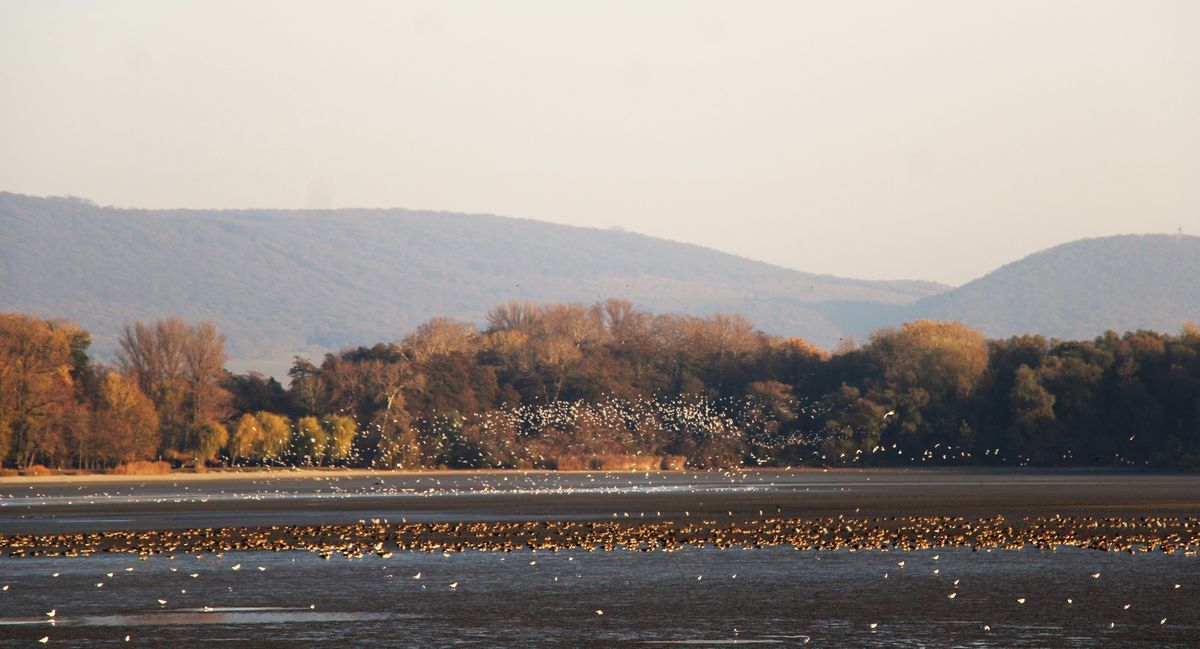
point(204, 369)
point(513, 316)
point(180, 366)
point(209, 439)
point(930, 369)
point(440, 337)
point(276, 435)
point(341, 430)
point(246, 439)
point(125, 420)
point(309, 389)
point(943, 357)
point(36, 386)
point(152, 355)
point(312, 440)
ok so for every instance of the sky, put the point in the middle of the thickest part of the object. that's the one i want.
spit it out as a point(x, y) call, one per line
point(878, 140)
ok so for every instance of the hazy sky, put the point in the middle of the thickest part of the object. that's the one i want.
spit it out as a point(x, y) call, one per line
point(931, 140)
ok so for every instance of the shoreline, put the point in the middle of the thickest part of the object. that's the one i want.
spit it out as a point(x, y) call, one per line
point(256, 472)
point(318, 497)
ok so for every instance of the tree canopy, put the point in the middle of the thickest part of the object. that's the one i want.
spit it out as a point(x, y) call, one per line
point(604, 386)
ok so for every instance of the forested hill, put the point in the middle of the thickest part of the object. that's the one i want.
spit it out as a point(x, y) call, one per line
point(278, 281)
point(1080, 289)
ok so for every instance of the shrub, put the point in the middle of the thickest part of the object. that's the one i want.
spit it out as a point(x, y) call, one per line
point(142, 467)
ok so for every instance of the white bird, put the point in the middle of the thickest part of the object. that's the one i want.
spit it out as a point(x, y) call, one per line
point(889, 413)
point(454, 585)
point(1020, 600)
point(599, 612)
point(162, 602)
point(236, 566)
point(44, 640)
point(52, 612)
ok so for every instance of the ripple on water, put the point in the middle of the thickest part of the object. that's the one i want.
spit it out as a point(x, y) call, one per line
point(234, 615)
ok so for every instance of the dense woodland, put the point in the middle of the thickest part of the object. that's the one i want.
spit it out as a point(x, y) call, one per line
point(603, 386)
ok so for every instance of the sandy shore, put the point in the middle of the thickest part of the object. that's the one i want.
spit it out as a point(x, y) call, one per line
point(255, 473)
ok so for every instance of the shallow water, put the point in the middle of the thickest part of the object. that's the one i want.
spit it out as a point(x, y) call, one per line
point(776, 596)
point(694, 597)
point(285, 497)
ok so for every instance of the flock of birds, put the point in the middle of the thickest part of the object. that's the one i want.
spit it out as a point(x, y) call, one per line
point(542, 434)
point(547, 434)
point(711, 432)
point(641, 533)
point(295, 484)
point(628, 531)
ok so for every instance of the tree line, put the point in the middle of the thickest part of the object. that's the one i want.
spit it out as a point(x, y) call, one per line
point(603, 386)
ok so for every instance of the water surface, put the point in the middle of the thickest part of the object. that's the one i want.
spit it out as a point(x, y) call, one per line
point(578, 598)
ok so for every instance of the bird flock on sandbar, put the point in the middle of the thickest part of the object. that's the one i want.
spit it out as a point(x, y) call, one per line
point(1165, 534)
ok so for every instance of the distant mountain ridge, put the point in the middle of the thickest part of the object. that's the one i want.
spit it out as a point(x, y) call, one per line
point(1080, 289)
point(278, 281)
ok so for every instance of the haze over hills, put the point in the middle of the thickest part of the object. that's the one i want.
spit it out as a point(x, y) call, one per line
point(1080, 289)
point(279, 281)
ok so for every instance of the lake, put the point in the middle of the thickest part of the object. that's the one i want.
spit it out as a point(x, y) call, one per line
point(695, 596)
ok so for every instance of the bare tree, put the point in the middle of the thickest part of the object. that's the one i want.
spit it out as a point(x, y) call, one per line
point(513, 316)
point(180, 367)
point(204, 368)
point(440, 337)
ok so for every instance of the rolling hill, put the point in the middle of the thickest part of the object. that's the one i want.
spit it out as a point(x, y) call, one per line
point(280, 281)
point(1080, 289)
point(285, 281)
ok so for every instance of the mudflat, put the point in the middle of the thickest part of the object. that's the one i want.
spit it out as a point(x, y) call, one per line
point(872, 558)
point(62, 504)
